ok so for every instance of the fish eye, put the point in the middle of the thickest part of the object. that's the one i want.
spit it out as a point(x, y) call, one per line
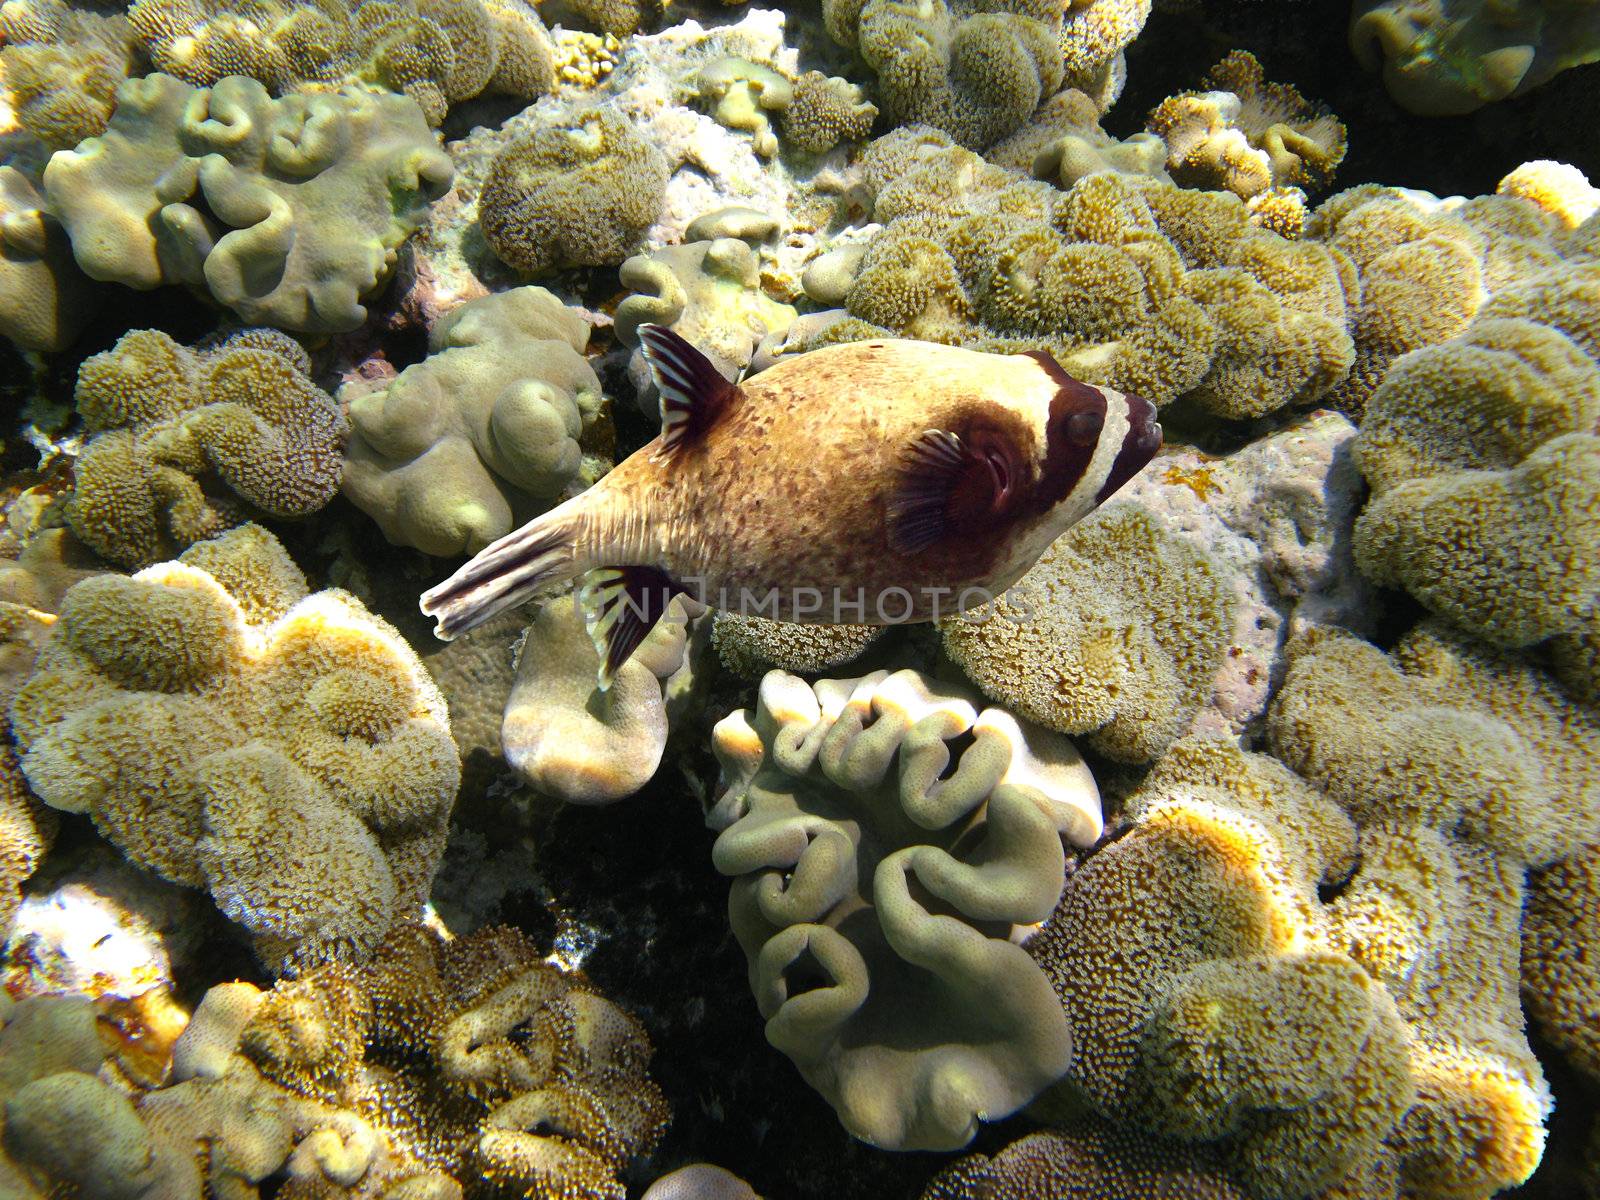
point(1083, 429)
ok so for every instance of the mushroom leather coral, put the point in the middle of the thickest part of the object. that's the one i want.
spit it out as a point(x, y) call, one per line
point(289, 211)
point(876, 874)
point(294, 760)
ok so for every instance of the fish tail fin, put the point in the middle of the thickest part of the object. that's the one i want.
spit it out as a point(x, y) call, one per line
point(506, 573)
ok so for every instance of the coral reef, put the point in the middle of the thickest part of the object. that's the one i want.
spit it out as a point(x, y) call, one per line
point(564, 736)
point(877, 872)
point(288, 212)
point(815, 112)
point(1441, 57)
point(1126, 281)
point(183, 443)
point(578, 195)
point(496, 425)
point(751, 646)
point(1063, 142)
point(1116, 633)
point(1246, 135)
point(438, 52)
point(62, 66)
point(227, 731)
point(976, 71)
point(1484, 462)
point(44, 299)
point(1094, 33)
point(1561, 956)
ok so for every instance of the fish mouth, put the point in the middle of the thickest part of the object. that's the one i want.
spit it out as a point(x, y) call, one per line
point(1139, 445)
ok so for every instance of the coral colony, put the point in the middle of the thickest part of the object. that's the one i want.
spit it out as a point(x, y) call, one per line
point(605, 599)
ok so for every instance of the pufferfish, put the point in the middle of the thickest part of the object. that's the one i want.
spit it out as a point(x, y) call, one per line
point(870, 483)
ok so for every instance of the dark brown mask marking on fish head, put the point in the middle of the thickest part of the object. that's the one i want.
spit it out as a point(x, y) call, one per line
point(1077, 416)
point(1139, 446)
point(991, 482)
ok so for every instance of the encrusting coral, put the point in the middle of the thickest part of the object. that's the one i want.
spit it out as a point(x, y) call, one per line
point(438, 52)
point(182, 444)
point(289, 211)
point(1441, 59)
point(62, 67)
point(564, 736)
point(1116, 633)
point(493, 427)
point(975, 70)
point(1245, 135)
point(1126, 281)
point(44, 299)
point(572, 195)
point(227, 731)
point(886, 835)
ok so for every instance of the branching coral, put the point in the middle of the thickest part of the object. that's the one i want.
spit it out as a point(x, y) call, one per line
point(438, 52)
point(1484, 461)
point(62, 67)
point(879, 868)
point(1247, 136)
point(44, 299)
point(566, 737)
point(1149, 288)
point(494, 427)
point(1116, 633)
point(288, 211)
point(286, 752)
point(1441, 57)
point(184, 443)
point(975, 70)
point(578, 195)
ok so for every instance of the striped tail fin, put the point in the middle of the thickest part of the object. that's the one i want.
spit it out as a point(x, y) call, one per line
point(506, 573)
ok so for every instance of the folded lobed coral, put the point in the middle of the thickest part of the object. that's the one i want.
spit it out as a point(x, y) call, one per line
point(1129, 282)
point(1063, 142)
point(45, 301)
point(1094, 33)
point(886, 836)
point(501, 421)
point(1561, 956)
point(577, 194)
point(1484, 460)
point(62, 67)
point(751, 646)
point(1116, 633)
point(1443, 57)
point(975, 70)
point(288, 211)
point(181, 444)
point(438, 52)
point(814, 112)
point(285, 752)
point(568, 739)
point(1246, 135)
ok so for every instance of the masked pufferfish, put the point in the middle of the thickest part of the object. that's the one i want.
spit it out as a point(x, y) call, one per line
point(893, 475)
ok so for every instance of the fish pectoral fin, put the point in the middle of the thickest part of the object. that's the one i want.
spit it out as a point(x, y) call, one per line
point(694, 393)
point(950, 483)
point(620, 606)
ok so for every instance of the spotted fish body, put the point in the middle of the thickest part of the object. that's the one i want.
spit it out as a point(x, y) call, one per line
point(870, 482)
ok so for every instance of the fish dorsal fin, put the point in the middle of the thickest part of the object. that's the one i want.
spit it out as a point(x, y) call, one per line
point(621, 605)
point(949, 483)
point(693, 392)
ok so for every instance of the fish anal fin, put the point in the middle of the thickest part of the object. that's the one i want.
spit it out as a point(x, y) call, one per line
point(620, 606)
point(953, 484)
point(694, 394)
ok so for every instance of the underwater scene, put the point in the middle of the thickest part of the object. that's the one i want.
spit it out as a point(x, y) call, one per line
point(835, 600)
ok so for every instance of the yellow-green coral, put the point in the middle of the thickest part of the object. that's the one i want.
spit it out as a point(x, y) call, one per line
point(751, 646)
point(1129, 282)
point(289, 211)
point(298, 765)
point(875, 927)
point(1116, 633)
point(975, 70)
point(62, 67)
point(183, 444)
point(1246, 135)
point(1485, 468)
point(44, 299)
point(1442, 57)
point(572, 195)
point(438, 52)
point(1094, 34)
point(1561, 955)
point(494, 427)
